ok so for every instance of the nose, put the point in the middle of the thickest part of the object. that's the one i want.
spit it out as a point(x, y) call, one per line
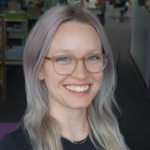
point(80, 72)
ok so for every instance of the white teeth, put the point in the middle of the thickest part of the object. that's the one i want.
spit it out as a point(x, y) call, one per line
point(74, 89)
point(68, 87)
point(87, 87)
point(82, 89)
point(78, 88)
point(71, 88)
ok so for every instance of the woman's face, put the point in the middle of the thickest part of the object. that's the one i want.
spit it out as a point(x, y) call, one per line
point(78, 40)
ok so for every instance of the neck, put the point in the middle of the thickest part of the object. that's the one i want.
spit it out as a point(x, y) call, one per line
point(73, 123)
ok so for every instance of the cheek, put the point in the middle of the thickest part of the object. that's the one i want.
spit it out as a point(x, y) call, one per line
point(97, 79)
point(53, 80)
point(97, 82)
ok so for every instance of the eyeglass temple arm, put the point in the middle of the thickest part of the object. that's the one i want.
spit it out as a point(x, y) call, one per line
point(48, 58)
point(106, 56)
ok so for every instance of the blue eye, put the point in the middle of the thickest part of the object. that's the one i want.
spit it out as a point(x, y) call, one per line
point(93, 58)
point(64, 59)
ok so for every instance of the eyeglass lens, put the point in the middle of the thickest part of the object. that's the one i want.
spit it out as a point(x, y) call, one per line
point(66, 64)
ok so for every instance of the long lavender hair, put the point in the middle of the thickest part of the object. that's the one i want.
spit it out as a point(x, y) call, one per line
point(44, 130)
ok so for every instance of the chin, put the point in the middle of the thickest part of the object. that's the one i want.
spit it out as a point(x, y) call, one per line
point(79, 105)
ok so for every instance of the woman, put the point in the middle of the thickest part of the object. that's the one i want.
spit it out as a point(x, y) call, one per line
point(70, 81)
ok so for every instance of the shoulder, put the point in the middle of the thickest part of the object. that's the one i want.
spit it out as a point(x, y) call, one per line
point(16, 140)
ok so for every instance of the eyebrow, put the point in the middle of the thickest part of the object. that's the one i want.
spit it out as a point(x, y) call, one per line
point(63, 50)
point(70, 51)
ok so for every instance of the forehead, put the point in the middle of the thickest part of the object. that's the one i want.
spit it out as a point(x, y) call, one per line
point(75, 37)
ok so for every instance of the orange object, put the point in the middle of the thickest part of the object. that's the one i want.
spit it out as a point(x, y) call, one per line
point(5, 11)
point(100, 2)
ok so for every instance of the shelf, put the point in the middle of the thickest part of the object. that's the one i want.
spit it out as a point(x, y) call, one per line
point(9, 62)
point(14, 54)
point(14, 20)
point(12, 37)
point(16, 30)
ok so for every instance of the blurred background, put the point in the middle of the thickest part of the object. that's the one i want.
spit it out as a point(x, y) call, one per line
point(127, 26)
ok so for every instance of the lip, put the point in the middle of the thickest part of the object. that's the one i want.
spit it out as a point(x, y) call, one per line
point(79, 93)
point(78, 84)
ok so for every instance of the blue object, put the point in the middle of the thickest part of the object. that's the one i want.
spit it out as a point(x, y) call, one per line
point(99, 15)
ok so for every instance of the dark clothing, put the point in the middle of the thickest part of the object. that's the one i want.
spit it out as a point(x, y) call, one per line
point(18, 140)
point(87, 145)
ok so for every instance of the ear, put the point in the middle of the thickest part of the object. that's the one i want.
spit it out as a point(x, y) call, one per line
point(41, 76)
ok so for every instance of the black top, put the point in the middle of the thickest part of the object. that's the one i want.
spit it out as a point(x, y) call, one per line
point(18, 140)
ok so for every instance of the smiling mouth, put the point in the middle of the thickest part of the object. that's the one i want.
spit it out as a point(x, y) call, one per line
point(77, 88)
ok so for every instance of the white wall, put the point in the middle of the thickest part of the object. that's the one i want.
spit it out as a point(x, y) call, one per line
point(140, 40)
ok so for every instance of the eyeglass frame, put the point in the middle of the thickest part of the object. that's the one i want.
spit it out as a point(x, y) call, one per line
point(106, 56)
